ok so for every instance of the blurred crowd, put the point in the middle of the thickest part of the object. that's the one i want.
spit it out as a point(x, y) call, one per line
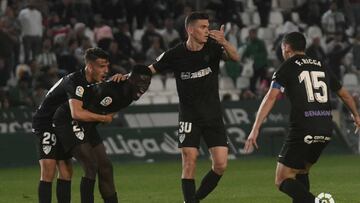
point(41, 41)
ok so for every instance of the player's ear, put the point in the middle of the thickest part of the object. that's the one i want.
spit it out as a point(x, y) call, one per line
point(189, 29)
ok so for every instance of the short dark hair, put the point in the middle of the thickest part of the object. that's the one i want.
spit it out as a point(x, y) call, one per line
point(296, 40)
point(193, 16)
point(92, 54)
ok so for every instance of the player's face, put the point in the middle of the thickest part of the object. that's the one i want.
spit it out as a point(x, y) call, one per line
point(199, 31)
point(285, 49)
point(99, 69)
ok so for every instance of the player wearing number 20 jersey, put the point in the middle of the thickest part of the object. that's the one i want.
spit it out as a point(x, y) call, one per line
point(308, 84)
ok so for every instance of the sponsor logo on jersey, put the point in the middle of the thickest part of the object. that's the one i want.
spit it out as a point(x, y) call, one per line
point(324, 198)
point(106, 101)
point(79, 91)
point(197, 74)
point(80, 135)
point(309, 139)
point(47, 149)
point(317, 113)
point(182, 137)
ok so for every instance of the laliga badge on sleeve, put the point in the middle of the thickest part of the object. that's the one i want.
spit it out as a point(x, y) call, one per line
point(79, 91)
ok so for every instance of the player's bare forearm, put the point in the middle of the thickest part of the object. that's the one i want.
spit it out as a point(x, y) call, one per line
point(348, 101)
point(231, 52)
point(81, 114)
point(265, 107)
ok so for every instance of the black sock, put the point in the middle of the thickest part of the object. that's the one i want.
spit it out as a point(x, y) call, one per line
point(296, 190)
point(188, 188)
point(63, 191)
point(44, 192)
point(111, 199)
point(304, 179)
point(208, 184)
point(87, 190)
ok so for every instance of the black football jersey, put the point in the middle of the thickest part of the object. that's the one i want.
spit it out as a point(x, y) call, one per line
point(308, 85)
point(196, 74)
point(72, 86)
point(110, 97)
point(107, 97)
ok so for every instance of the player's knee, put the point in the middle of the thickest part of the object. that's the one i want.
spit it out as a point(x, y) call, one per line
point(90, 170)
point(279, 179)
point(189, 165)
point(66, 174)
point(48, 172)
point(106, 169)
point(47, 175)
point(219, 168)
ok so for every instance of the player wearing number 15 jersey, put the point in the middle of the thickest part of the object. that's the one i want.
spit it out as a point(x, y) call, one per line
point(307, 84)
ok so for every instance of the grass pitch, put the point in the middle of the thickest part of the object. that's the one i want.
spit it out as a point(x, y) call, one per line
point(247, 180)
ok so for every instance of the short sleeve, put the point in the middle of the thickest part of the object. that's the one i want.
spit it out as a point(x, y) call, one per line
point(74, 91)
point(280, 76)
point(163, 62)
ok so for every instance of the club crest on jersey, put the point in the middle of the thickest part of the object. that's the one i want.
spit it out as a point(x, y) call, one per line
point(47, 149)
point(80, 135)
point(106, 101)
point(182, 137)
point(79, 91)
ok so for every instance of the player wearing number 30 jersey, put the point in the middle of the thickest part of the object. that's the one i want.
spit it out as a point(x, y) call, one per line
point(308, 84)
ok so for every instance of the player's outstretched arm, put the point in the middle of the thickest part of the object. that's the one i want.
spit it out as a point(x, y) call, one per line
point(81, 114)
point(264, 109)
point(230, 50)
point(351, 105)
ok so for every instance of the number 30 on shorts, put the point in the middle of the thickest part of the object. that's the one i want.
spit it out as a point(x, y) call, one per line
point(185, 127)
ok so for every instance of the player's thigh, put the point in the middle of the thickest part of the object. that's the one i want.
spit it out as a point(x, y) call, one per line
point(65, 169)
point(102, 158)
point(219, 155)
point(284, 172)
point(47, 169)
point(189, 134)
point(214, 134)
point(189, 154)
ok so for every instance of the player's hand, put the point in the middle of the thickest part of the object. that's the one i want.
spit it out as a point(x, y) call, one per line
point(107, 118)
point(356, 123)
point(218, 35)
point(251, 141)
point(118, 77)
